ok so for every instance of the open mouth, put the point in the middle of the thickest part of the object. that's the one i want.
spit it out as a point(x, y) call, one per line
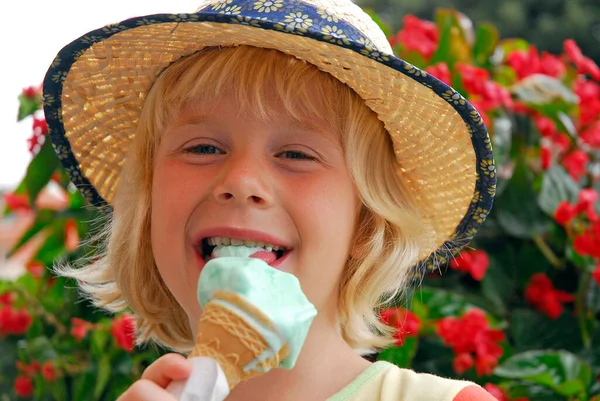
point(209, 244)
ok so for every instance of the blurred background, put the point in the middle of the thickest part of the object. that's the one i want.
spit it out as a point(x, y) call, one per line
point(544, 23)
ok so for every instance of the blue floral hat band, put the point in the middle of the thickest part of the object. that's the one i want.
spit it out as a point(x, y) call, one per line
point(95, 88)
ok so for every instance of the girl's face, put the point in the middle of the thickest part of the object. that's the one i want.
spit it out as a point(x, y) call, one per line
point(220, 174)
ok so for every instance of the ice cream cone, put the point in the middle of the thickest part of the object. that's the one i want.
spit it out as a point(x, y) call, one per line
point(227, 337)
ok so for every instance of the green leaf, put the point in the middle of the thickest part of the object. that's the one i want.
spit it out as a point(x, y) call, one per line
point(54, 247)
point(401, 356)
point(103, 376)
point(59, 389)
point(497, 285)
point(570, 388)
point(41, 349)
point(532, 330)
point(529, 261)
point(99, 340)
point(546, 94)
point(84, 386)
point(521, 389)
point(28, 106)
point(440, 303)
point(486, 40)
point(453, 45)
point(434, 357)
point(40, 170)
point(517, 210)
point(557, 186)
point(511, 45)
point(54, 298)
point(562, 371)
point(29, 284)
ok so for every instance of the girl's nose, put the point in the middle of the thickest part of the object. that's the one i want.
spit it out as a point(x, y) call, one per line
point(243, 182)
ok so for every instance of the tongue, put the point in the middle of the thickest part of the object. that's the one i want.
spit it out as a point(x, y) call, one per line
point(265, 256)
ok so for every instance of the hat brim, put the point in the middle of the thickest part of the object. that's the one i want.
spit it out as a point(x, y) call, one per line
point(95, 89)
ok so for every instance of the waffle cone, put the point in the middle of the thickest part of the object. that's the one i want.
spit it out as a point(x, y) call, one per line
point(232, 342)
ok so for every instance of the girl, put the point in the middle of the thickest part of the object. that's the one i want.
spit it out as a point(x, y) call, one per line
point(284, 123)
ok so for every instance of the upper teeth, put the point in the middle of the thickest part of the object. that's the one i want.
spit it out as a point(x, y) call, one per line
point(233, 241)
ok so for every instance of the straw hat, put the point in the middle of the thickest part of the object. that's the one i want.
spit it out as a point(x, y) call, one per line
point(95, 88)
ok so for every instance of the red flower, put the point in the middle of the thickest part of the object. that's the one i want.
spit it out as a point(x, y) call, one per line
point(16, 201)
point(526, 63)
point(39, 126)
point(488, 94)
point(470, 335)
point(406, 323)
point(13, 321)
point(418, 35)
point(545, 157)
point(123, 330)
point(540, 292)
point(586, 203)
point(475, 263)
point(473, 78)
point(589, 66)
point(552, 65)
point(28, 370)
point(495, 95)
point(495, 391)
point(560, 142)
point(441, 72)
point(7, 298)
point(80, 328)
point(48, 371)
point(36, 269)
point(573, 51)
point(71, 235)
point(38, 136)
point(588, 243)
point(31, 92)
point(545, 126)
point(23, 386)
point(462, 363)
point(589, 101)
point(564, 213)
point(584, 65)
point(591, 135)
point(575, 163)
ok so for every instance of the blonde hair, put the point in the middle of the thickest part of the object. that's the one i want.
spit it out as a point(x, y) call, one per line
point(389, 235)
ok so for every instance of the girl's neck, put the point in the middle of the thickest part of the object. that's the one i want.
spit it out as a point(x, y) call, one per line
point(325, 366)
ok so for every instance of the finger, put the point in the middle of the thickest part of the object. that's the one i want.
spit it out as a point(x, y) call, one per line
point(168, 368)
point(145, 390)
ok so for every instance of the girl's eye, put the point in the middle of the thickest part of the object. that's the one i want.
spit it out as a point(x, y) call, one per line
point(292, 154)
point(204, 150)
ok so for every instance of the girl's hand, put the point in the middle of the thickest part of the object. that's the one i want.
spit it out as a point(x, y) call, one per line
point(156, 377)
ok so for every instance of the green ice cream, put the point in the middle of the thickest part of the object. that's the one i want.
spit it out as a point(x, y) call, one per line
point(277, 294)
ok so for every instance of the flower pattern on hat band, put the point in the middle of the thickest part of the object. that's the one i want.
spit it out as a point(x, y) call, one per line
point(294, 17)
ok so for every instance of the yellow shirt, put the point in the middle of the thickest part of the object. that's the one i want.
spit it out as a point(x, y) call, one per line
point(384, 381)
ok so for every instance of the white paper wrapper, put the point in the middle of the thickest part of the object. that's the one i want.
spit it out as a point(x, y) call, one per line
point(207, 382)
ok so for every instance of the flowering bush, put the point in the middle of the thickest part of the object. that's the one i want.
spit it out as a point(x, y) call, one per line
point(53, 345)
point(517, 311)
